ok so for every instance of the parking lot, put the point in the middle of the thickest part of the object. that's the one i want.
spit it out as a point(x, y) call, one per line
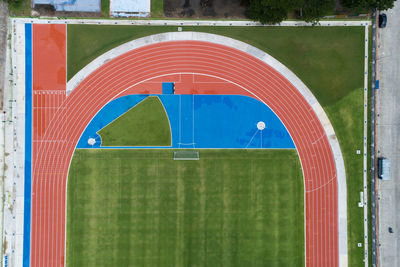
point(388, 136)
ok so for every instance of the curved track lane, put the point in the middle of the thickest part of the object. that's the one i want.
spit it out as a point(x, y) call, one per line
point(52, 160)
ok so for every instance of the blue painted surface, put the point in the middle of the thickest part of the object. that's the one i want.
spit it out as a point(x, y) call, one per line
point(168, 88)
point(204, 121)
point(186, 120)
point(28, 144)
point(106, 115)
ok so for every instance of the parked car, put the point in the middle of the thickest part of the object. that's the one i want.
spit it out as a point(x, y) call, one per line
point(382, 20)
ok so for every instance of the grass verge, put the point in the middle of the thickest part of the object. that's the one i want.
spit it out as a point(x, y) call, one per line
point(157, 8)
point(142, 208)
point(105, 8)
point(327, 59)
point(20, 8)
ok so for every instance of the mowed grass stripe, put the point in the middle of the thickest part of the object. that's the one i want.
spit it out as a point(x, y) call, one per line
point(142, 208)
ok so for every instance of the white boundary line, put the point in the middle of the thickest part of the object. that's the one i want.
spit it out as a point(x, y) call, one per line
point(342, 195)
point(141, 101)
point(365, 148)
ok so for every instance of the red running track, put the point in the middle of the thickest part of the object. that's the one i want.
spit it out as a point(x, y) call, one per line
point(53, 158)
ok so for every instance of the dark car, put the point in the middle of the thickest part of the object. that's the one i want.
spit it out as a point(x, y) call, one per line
point(382, 20)
point(390, 230)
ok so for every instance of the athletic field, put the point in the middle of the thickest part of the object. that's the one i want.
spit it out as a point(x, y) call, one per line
point(124, 200)
point(142, 208)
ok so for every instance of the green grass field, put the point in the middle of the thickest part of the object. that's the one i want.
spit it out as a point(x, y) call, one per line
point(142, 208)
point(105, 8)
point(329, 60)
point(146, 124)
point(157, 9)
point(20, 8)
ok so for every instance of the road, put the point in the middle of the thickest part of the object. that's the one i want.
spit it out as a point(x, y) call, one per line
point(388, 136)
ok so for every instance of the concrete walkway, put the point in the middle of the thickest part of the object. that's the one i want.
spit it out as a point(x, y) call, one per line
point(189, 22)
point(365, 149)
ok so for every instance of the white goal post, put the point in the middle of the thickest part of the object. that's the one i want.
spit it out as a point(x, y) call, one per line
point(186, 155)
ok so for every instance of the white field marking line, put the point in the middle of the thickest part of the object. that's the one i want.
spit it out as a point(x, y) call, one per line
point(365, 148)
point(193, 118)
point(59, 206)
point(66, 58)
point(252, 138)
point(37, 259)
point(177, 148)
point(180, 120)
point(177, 54)
point(106, 147)
point(169, 122)
point(322, 186)
point(119, 115)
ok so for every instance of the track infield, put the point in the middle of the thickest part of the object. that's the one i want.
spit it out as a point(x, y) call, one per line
point(142, 208)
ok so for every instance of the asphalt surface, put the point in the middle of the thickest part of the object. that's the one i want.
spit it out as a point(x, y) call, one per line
point(388, 136)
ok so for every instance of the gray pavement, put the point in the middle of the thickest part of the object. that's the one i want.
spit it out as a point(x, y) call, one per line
point(388, 136)
point(171, 22)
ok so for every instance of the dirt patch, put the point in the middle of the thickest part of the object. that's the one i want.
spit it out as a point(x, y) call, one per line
point(205, 8)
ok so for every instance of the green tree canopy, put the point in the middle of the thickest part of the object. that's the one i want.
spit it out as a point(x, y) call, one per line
point(379, 4)
point(313, 10)
point(275, 11)
point(268, 11)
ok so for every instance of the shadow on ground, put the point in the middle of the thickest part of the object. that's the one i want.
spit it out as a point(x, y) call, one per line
point(205, 8)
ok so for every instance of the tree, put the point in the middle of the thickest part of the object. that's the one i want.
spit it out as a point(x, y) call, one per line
point(267, 11)
point(313, 10)
point(383, 4)
point(367, 4)
point(275, 11)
